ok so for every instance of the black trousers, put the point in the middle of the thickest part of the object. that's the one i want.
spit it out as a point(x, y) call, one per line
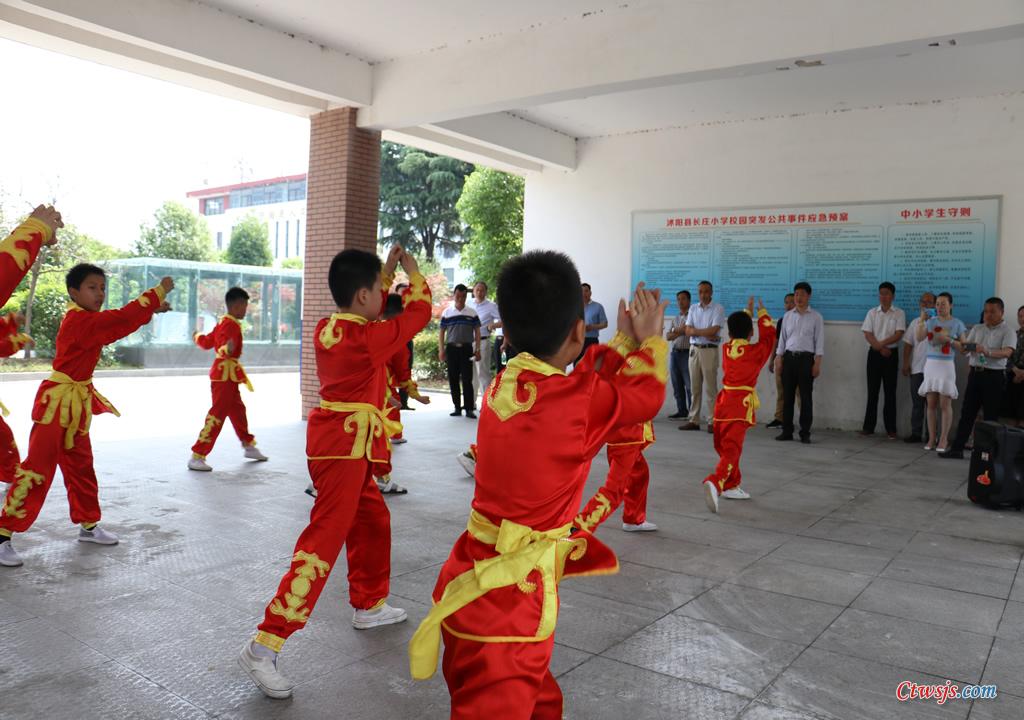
point(460, 375)
point(883, 372)
point(796, 376)
point(402, 394)
point(984, 392)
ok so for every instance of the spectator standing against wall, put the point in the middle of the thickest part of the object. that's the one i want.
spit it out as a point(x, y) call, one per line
point(915, 354)
point(679, 360)
point(798, 357)
point(458, 347)
point(1014, 408)
point(595, 319)
point(787, 305)
point(704, 325)
point(989, 344)
point(490, 320)
point(883, 329)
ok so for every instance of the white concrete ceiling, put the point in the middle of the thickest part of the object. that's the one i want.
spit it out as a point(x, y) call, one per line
point(516, 83)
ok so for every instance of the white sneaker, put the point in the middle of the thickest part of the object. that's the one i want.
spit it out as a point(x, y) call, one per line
point(384, 615)
point(198, 464)
point(736, 493)
point(639, 527)
point(97, 535)
point(9, 556)
point(398, 441)
point(311, 491)
point(253, 453)
point(711, 496)
point(468, 463)
point(264, 673)
point(389, 487)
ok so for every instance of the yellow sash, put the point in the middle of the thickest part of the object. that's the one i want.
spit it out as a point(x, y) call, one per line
point(4, 410)
point(229, 368)
point(751, 402)
point(74, 401)
point(521, 550)
point(366, 422)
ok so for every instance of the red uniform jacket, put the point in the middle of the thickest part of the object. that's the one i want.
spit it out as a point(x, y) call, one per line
point(539, 429)
point(741, 363)
point(17, 253)
point(11, 338)
point(400, 374)
point(351, 355)
point(80, 340)
point(226, 367)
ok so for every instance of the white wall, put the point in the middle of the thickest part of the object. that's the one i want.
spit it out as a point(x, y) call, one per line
point(953, 148)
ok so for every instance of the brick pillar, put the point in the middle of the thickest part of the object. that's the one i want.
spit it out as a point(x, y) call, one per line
point(342, 198)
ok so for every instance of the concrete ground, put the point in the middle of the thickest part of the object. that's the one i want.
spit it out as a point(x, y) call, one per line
point(857, 564)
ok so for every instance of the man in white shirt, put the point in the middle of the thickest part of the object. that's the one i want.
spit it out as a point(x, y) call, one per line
point(458, 347)
point(704, 324)
point(679, 360)
point(914, 355)
point(883, 329)
point(490, 320)
point(798, 357)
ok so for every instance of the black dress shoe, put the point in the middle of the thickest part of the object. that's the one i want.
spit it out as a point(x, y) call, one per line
point(471, 414)
point(455, 413)
point(952, 454)
point(805, 439)
point(913, 439)
point(774, 424)
point(784, 437)
point(676, 416)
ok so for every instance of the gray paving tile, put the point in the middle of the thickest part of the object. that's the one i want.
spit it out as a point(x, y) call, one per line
point(1017, 593)
point(807, 497)
point(938, 606)
point(644, 586)
point(688, 558)
point(602, 689)
point(783, 617)
point(593, 624)
point(1003, 707)
point(723, 536)
point(565, 658)
point(907, 643)
point(882, 506)
point(34, 652)
point(962, 518)
point(760, 711)
point(838, 687)
point(839, 556)
point(951, 574)
point(1004, 667)
point(731, 660)
point(752, 514)
point(806, 581)
point(966, 550)
point(1011, 626)
point(859, 533)
point(103, 691)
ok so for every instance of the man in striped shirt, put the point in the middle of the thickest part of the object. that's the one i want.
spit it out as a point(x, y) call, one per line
point(458, 347)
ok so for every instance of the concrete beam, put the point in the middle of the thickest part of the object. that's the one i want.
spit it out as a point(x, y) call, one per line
point(196, 38)
point(657, 43)
point(512, 135)
point(462, 149)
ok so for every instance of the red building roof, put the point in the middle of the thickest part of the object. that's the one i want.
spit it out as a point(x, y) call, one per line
point(225, 189)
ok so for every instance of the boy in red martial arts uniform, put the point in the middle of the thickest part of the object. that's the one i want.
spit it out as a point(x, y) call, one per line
point(496, 599)
point(345, 438)
point(17, 253)
point(64, 407)
point(226, 375)
point(737, 400)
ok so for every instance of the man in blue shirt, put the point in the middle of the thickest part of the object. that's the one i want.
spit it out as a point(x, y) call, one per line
point(595, 319)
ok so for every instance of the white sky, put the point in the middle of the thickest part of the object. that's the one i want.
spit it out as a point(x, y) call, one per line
point(112, 146)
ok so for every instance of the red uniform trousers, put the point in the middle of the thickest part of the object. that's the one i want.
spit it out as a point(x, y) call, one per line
point(9, 456)
point(32, 480)
point(729, 438)
point(227, 404)
point(511, 681)
point(628, 477)
point(349, 510)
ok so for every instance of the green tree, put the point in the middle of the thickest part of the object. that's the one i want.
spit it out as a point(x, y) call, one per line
point(176, 233)
point(250, 244)
point(292, 263)
point(491, 206)
point(418, 192)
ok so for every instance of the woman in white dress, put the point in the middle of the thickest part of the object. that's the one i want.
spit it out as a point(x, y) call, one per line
point(939, 386)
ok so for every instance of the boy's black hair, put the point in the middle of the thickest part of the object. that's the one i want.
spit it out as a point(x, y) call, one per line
point(686, 293)
point(460, 288)
point(888, 286)
point(946, 295)
point(708, 283)
point(77, 275)
point(996, 301)
point(540, 300)
point(741, 326)
point(787, 295)
point(351, 271)
point(393, 306)
point(234, 295)
point(803, 285)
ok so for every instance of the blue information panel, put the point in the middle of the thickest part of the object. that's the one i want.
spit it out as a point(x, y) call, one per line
point(843, 251)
